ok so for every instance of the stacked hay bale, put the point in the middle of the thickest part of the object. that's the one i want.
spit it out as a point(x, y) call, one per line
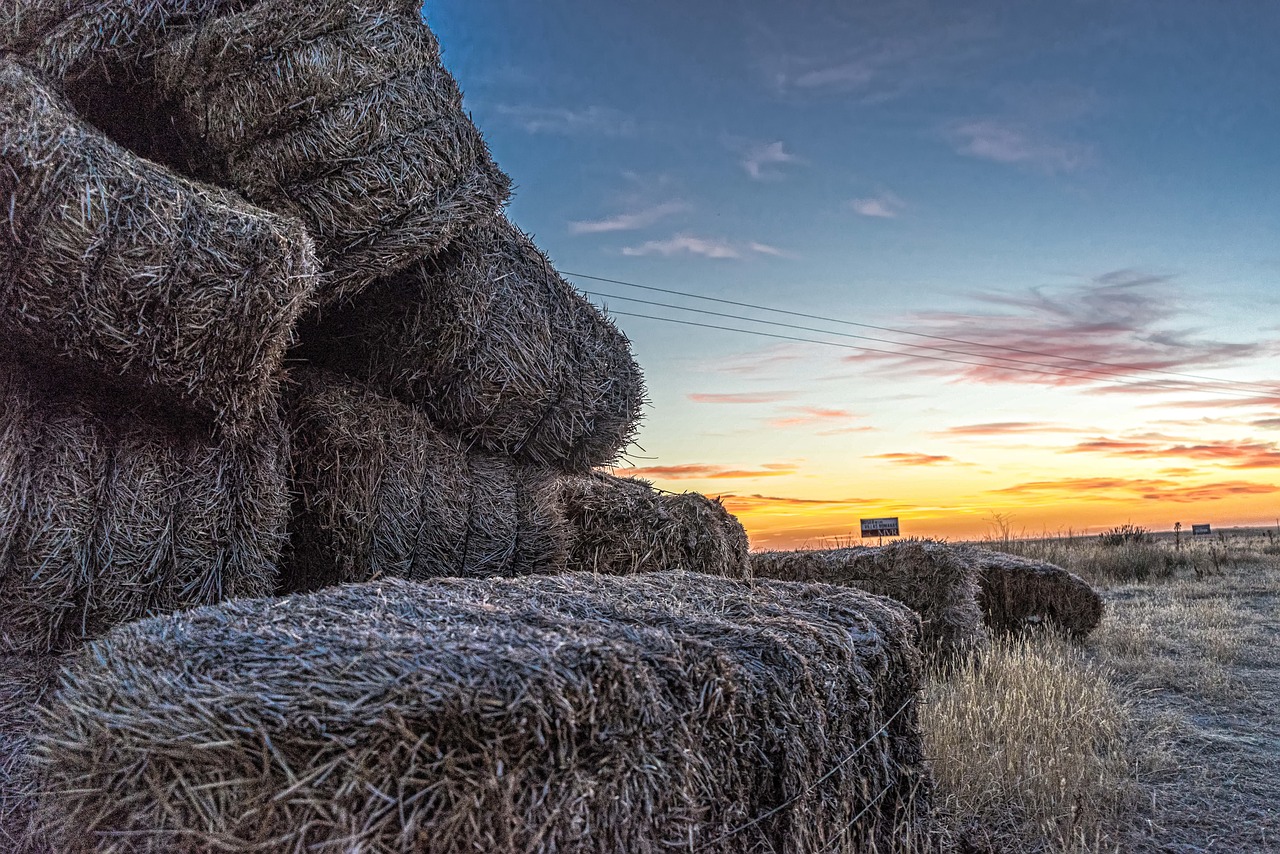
point(930, 577)
point(567, 713)
point(24, 680)
point(1017, 593)
point(381, 492)
point(144, 320)
point(622, 526)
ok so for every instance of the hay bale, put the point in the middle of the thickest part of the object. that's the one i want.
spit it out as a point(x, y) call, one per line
point(622, 526)
point(566, 713)
point(379, 491)
point(24, 679)
point(340, 113)
point(1017, 593)
point(491, 343)
point(111, 515)
point(928, 576)
point(180, 291)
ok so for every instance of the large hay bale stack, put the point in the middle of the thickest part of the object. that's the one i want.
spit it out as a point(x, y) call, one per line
point(173, 289)
point(928, 576)
point(340, 113)
point(623, 526)
point(109, 512)
point(567, 713)
point(492, 343)
point(1017, 593)
point(379, 491)
point(24, 679)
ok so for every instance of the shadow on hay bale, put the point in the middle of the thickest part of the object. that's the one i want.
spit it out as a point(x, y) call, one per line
point(24, 679)
point(1019, 593)
point(557, 713)
point(379, 491)
point(928, 576)
point(340, 113)
point(622, 526)
point(489, 341)
point(111, 261)
point(109, 512)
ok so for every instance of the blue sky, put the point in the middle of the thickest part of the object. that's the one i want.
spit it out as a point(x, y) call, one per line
point(1088, 180)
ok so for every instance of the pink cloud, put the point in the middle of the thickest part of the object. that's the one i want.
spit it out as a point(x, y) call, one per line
point(741, 397)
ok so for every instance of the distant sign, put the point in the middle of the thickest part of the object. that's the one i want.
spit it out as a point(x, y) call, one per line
point(1200, 531)
point(887, 527)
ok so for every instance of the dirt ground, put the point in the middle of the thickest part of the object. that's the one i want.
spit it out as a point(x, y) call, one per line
point(1200, 660)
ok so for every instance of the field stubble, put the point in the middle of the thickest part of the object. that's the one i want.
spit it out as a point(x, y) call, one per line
point(1160, 734)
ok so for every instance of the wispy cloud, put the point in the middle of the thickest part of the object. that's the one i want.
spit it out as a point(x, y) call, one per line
point(698, 471)
point(757, 503)
point(1231, 454)
point(1007, 142)
point(1007, 428)
point(1104, 333)
point(912, 459)
point(758, 159)
point(741, 397)
point(565, 121)
point(884, 206)
point(705, 247)
point(631, 220)
point(807, 416)
point(1123, 489)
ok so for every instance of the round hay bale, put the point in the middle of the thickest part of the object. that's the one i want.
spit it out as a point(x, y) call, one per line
point(578, 713)
point(24, 679)
point(181, 291)
point(340, 113)
point(622, 526)
point(111, 515)
point(492, 344)
point(1017, 593)
point(928, 576)
point(381, 492)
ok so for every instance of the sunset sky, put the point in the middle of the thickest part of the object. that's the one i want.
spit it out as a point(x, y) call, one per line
point(1077, 182)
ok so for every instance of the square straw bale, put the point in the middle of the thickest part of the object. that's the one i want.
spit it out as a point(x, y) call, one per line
point(111, 515)
point(1017, 593)
point(663, 712)
point(380, 491)
point(621, 526)
point(181, 290)
point(491, 343)
point(928, 576)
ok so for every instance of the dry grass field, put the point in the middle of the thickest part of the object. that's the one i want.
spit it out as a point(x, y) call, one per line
point(1160, 734)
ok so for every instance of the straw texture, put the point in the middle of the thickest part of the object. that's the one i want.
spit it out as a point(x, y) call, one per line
point(1019, 593)
point(622, 526)
point(339, 112)
point(491, 343)
point(382, 492)
point(111, 262)
point(24, 679)
point(108, 516)
point(665, 712)
point(928, 576)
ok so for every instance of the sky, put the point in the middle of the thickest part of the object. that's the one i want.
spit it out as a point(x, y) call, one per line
point(1075, 204)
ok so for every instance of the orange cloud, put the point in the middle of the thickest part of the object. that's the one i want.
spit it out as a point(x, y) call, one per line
point(697, 471)
point(905, 459)
point(742, 397)
point(1110, 488)
point(1236, 455)
point(803, 416)
point(1005, 428)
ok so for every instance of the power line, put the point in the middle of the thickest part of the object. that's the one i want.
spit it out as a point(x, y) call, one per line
point(876, 350)
point(1057, 370)
point(1128, 370)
